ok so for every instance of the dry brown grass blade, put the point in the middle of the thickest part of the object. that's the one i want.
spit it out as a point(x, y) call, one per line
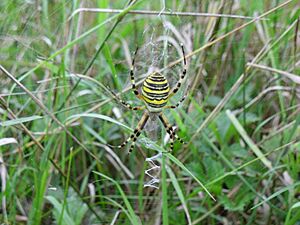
point(277, 132)
point(3, 175)
point(261, 95)
point(296, 38)
point(293, 77)
point(157, 13)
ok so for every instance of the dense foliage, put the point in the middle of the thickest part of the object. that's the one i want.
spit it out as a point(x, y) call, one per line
point(240, 121)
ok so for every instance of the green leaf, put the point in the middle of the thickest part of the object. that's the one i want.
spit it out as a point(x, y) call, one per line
point(238, 203)
point(67, 220)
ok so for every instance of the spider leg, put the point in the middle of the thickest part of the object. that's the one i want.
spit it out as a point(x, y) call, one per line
point(168, 128)
point(136, 133)
point(182, 76)
point(175, 106)
point(133, 86)
point(138, 130)
point(127, 105)
point(176, 137)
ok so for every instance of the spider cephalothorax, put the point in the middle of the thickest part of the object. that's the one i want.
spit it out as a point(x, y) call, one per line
point(156, 94)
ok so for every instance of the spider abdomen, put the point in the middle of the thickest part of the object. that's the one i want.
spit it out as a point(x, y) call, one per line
point(155, 90)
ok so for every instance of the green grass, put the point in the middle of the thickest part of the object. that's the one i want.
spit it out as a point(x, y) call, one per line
point(240, 120)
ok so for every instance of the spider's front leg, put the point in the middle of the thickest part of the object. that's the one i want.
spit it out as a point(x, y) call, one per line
point(175, 106)
point(133, 85)
point(127, 105)
point(182, 76)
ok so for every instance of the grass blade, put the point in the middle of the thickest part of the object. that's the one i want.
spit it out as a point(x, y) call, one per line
point(133, 217)
point(99, 116)
point(164, 192)
point(248, 140)
point(17, 121)
point(277, 193)
point(179, 193)
point(180, 164)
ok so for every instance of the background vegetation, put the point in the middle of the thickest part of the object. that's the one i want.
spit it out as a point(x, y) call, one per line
point(240, 120)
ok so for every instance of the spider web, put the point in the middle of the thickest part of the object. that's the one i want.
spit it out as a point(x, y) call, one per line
point(162, 46)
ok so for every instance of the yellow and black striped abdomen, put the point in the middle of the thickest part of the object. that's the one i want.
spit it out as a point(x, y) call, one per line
point(155, 90)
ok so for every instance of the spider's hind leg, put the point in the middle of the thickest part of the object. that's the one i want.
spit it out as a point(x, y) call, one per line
point(169, 130)
point(136, 133)
point(138, 130)
point(178, 138)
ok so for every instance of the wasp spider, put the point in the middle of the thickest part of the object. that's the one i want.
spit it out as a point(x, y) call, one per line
point(156, 93)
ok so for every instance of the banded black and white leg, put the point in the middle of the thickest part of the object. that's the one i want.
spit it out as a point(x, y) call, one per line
point(136, 133)
point(175, 106)
point(182, 76)
point(169, 130)
point(126, 104)
point(176, 136)
point(133, 85)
